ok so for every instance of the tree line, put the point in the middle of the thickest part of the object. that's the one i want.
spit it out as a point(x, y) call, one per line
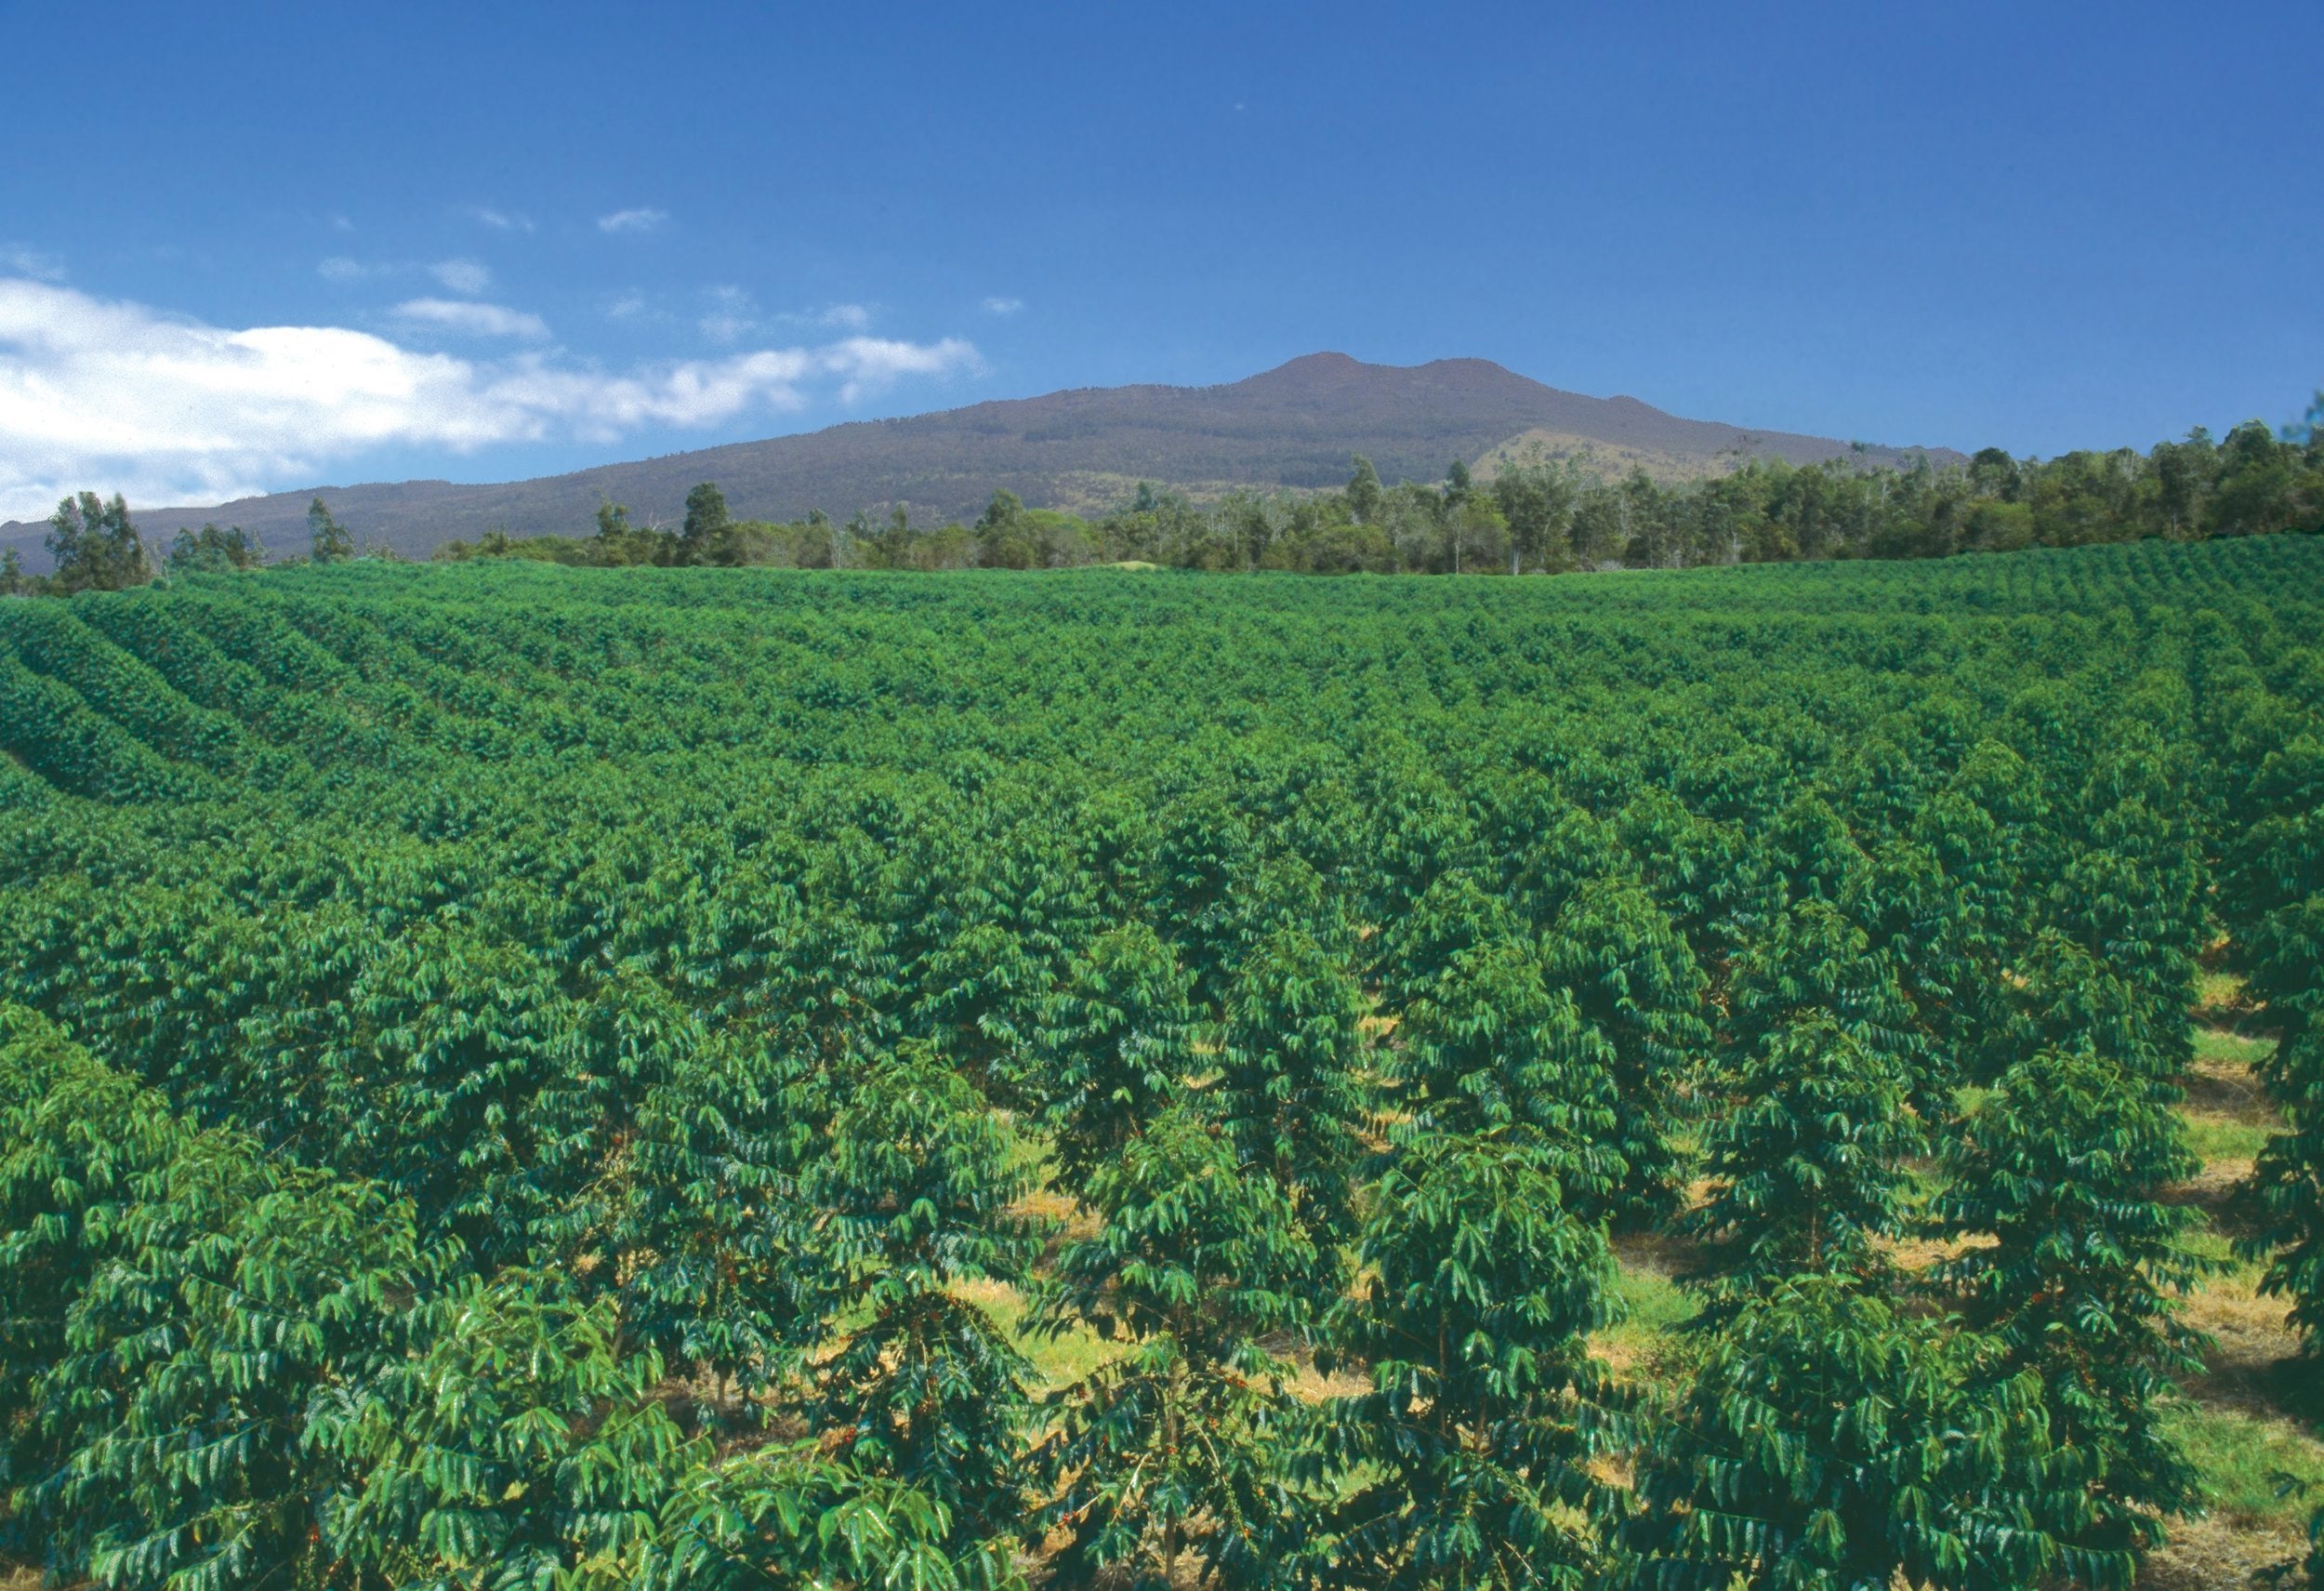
point(1533, 514)
point(1530, 514)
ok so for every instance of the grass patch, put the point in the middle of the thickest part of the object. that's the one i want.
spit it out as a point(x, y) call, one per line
point(1057, 1362)
point(1646, 1342)
point(2219, 996)
point(2218, 1138)
point(2243, 1456)
point(2216, 1046)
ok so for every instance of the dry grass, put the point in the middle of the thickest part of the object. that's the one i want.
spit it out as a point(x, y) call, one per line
point(2219, 998)
point(2217, 1554)
point(2221, 1086)
point(2233, 1425)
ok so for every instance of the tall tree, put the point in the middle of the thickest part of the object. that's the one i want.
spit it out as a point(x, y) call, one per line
point(1364, 492)
point(329, 541)
point(96, 547)
point(703, 536)
point(212, 550)
point(1001, 542)
point(1536, 502)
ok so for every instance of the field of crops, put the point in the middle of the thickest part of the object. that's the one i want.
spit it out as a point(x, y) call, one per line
point(513, 1074)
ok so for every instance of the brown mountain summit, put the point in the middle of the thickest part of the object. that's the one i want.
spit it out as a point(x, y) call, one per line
point(1295, 426)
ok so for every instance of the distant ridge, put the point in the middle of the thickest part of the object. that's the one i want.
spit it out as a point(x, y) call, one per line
point(1083, 449)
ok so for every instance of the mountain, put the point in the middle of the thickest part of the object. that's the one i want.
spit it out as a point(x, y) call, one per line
point(1295, 426)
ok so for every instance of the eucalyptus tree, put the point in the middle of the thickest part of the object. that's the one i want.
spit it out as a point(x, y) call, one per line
point(329, 541)
point(96, 547)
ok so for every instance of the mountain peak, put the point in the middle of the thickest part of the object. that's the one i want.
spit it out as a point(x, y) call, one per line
point(1294, 427)
point(1326, 363)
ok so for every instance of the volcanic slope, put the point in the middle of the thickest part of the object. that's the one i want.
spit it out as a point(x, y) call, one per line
point(1295, 426)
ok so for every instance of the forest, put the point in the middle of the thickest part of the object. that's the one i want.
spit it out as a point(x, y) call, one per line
point(1802, 1076)
point(1514, 513)
point(1527, 513)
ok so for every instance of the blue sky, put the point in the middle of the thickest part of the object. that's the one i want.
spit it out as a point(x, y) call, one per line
point(253, 247)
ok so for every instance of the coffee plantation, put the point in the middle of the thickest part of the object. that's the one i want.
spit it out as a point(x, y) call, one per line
point(514, 1075)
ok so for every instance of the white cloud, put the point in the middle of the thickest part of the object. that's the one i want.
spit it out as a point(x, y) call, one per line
point(638, 221)
point(467, 315)
point(732, 314)
point(338, 268)
point(462, 276)
point(626, 306)
point(170, 410)
point(340, 222)
point(867, 363)
point(499, 220)
point(29, 261)
point(840, 317)
point(1003, 306)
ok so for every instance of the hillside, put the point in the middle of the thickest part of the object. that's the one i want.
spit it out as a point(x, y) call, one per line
point(1295, 426)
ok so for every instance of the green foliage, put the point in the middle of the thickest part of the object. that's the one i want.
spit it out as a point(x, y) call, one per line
point(1807, 1165)
point(708, 524)
point(214, 551)
point(95, 547)
point(1816, 964)
point(918, 1190)
point(524, 1445)
point(2289, 1176)
point(1830, 1443)
point(222, 1370)
point(1492, 1047)
point(619, 994)
point(1162, 1457)
point(181, 1315)
point(1364, 493)
point(1466, 1462)
point(2276, 885)
point(1288, 1089)
point(329, 541)
point(1633, 977)
point(1119, 1043)
point(2063, 1168)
